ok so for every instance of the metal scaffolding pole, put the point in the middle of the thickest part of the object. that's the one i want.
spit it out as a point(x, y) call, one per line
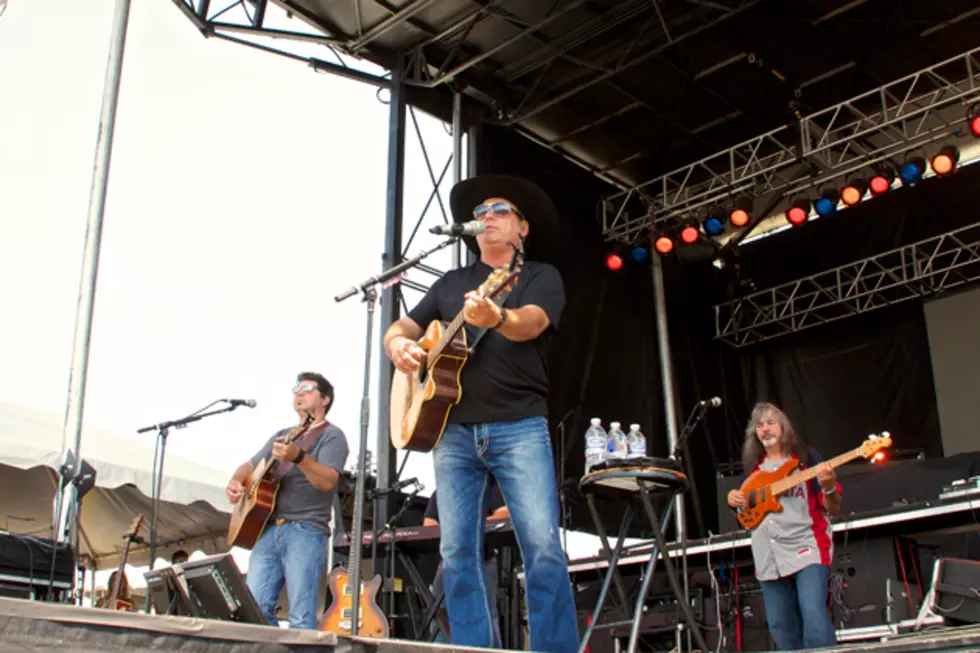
point(93, 240)
point(670, 402)
point(457, 165)
point(385, 455)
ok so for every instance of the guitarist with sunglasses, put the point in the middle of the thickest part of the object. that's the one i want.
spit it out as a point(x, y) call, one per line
point(499, 427)
point(292, 548)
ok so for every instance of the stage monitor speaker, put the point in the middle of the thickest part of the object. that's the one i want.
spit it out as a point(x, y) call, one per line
point(167, 596)
point(218, 591)
point(956, 590)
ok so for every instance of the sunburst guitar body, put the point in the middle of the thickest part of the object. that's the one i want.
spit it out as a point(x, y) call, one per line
point(338, 618)
point(763, 489)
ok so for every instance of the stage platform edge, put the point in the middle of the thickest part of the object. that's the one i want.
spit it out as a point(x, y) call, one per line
point(39, 627)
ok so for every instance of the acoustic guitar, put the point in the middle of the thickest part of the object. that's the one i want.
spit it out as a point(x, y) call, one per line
point(250, 514)
point(339, 616)
point(763, 489)
point(421, 401)
point(113, 602)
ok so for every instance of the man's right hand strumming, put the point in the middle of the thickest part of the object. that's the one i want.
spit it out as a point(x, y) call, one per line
point(235, 490)
point(405, 354)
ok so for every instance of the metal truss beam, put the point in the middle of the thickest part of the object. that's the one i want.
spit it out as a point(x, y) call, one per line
point(918, 270)
point(840, 140)
point(231, 20)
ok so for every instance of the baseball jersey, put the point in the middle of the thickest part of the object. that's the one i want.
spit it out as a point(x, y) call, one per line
point(799, 536)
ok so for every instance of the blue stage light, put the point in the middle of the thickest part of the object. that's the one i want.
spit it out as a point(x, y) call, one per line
point(640, 254)
point(713, 226)
point(912, 170)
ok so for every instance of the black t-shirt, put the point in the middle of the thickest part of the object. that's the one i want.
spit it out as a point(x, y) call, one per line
point(503, 380)
point(492, 501)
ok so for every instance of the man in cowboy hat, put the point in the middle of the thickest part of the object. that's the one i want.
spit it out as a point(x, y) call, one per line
point(500, 426)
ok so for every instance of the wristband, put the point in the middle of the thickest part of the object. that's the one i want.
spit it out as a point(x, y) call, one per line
point(299, 457)
point(827, 493)
point(503, 318)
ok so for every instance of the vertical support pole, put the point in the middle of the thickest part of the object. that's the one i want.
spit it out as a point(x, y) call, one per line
point(670, 405)
point(385, 455)
point(93, 242)
point(474, 136)
point(458, 246)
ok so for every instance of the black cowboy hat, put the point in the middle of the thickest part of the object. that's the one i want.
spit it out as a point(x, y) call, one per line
point(533, 203)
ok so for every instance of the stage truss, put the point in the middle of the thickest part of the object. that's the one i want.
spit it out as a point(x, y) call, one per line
point(798, 159)
point(915, 271)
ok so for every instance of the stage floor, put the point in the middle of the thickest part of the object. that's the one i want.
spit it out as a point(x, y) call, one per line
point(36, 627)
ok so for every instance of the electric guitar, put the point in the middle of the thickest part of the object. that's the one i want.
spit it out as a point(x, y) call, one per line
point(113, 602)
point(763, 489)
point(421, 401)
point(339, 616)
point(250, 514)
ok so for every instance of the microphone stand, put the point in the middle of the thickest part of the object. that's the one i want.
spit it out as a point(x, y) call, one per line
point(390, 527)
point(163, 430)
point(693, 419)
point(370, 298)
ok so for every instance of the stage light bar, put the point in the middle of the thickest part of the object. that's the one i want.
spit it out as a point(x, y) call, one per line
point(798, 212)
point(945, 160)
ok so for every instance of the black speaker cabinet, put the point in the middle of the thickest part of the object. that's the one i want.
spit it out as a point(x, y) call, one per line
point(956, 590)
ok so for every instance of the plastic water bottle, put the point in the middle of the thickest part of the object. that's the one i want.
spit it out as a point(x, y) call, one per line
point(616, 441)
point(637, 442)
point(595, 444)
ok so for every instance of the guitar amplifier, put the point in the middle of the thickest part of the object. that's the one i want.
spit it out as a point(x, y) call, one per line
point(956, 590)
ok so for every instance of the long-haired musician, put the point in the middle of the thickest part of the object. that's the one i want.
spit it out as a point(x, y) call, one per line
point(792, 549)
point(292, 549)
point(500, 426)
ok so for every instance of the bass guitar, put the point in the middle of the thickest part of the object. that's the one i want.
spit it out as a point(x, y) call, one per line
point(250, 514)
point(763, 489)
point(421, 401)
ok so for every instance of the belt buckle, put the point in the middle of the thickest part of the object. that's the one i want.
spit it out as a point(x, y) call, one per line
point(279, 521)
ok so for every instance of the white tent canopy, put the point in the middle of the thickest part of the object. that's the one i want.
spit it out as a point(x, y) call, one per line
point(193, 507)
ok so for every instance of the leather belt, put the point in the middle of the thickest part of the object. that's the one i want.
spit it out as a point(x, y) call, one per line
point(279, 521)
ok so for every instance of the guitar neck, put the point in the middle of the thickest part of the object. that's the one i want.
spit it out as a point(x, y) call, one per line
point(782, 485)
point(447, 336)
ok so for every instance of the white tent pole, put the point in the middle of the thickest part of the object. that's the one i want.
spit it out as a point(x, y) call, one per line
point(93, 235)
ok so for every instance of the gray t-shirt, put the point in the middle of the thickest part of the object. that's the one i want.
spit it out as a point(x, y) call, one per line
point(799, 536)
point(298, 500)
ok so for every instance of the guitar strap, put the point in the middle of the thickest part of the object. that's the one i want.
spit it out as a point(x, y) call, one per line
point(308, 440)
point(471, 346)
point(518, 259)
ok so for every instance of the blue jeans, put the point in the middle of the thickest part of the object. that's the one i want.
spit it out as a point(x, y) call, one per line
point(295, 554)
point(493, 578)
point(518, 455)
point(796, 609)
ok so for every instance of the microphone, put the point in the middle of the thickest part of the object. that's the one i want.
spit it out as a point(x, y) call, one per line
point(714, 402)
point(241, 402)
point(380, 492)
point(471, 228)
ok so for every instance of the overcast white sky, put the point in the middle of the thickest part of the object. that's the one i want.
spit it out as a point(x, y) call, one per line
point(245, 192)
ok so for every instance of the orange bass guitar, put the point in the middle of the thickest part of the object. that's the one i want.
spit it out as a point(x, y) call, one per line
point(763, 489)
